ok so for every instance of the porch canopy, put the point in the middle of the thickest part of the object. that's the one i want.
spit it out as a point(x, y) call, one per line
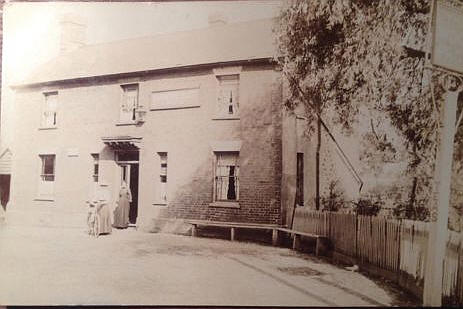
point(122, 142)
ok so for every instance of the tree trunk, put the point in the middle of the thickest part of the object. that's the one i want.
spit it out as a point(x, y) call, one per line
point(410, 213)
point(317, 165)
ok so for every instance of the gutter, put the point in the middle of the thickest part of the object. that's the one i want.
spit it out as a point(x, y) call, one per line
point(111, 77)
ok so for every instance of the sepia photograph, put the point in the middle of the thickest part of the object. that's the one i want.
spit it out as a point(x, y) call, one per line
point(220, 153)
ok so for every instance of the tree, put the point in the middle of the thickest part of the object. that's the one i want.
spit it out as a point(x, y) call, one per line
point(343, 56)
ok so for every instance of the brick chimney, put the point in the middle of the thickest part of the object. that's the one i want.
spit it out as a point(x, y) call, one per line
point(72, 34)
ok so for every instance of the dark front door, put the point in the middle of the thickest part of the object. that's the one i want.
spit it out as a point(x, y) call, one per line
point(4, 190)
point(134, 190)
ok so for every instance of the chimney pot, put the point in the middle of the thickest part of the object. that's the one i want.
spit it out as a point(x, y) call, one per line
point(72, 36)
point(216, 19)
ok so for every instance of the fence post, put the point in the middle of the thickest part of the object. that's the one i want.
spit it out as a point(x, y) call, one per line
point(356, 235)
point(432, 295)
point(400, 246)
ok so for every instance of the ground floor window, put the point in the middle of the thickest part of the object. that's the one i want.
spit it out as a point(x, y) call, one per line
point(163, 177)
point(226, 180)
point(47, 175)
point(96, 166)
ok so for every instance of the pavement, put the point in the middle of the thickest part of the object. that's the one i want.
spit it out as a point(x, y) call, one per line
point(64, 266)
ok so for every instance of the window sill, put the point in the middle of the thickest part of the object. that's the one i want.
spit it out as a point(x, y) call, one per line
point(226, 118)
point(126, 123)
point(167, 107)
point(225, 204)
point(44, 199)
point(48, 128)
point(160, 204)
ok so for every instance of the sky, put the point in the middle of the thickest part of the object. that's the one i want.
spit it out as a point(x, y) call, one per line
point(31, 30)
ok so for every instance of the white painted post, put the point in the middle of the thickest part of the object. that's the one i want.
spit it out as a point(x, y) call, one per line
point(432, 293)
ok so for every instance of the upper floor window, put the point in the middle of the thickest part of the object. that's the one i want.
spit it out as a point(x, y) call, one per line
point(129, 103)
point(96, 166)
point(226, 180)
point(49, 114)
point(228, 96)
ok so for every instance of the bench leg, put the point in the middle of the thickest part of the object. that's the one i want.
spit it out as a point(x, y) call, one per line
point(232, 234)
point(275, 237)
point(194, 231)
point(296, 241)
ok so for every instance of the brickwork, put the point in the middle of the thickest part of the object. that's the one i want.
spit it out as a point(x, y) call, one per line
point(260, 163)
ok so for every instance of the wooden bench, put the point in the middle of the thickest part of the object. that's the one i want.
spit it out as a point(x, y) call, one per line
point(321, 242)
point(233, 226)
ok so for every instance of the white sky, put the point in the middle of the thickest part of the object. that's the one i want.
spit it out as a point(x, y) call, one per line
point(31, 30)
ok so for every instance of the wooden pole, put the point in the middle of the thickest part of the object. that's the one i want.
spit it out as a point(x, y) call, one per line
point(317, 165)
point(438, 234)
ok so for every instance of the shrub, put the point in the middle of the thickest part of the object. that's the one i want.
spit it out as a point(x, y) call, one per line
point(368, 206)
point(335, 199)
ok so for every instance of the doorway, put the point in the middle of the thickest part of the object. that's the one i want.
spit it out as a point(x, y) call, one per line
point(4, 190)
point(128, 163)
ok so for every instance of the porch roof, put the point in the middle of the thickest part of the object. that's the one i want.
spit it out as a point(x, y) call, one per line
point(122, 142)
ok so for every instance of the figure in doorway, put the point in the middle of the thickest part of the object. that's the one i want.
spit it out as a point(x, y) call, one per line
point(121, 213)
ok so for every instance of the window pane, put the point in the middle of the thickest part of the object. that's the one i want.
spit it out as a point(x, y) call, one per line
point(129, 102)
point(96, 166)
point(48, 167)
point(226, 180)
point(163, 176)
point(228, 102)
point(48, 164)
point(49, 111)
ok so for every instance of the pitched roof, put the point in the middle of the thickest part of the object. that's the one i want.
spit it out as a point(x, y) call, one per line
point(5, 162)
point(230, 42)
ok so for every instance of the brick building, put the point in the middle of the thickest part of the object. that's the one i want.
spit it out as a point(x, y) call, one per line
point(192, 120)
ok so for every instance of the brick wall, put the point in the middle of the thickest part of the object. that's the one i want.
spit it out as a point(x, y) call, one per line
point(260, 161)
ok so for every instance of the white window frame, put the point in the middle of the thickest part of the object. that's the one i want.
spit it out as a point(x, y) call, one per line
point(219, 171)
point(228, 97)
point(161, 192)
point(96, 167)
point(223, 75)
point(49, 117)
point(129, 116)
point(46, 182)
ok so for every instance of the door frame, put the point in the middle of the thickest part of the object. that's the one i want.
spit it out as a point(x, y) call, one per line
point(127, 165)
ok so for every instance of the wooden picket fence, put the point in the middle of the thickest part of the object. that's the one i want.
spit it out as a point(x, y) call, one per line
point(396, 246)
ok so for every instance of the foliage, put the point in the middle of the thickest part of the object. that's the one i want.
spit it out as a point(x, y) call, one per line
point(341, 57)
point(419, 211)
point(335, 199)
point(368, 206)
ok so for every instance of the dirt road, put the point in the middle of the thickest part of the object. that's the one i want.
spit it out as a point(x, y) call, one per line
point(65, 266)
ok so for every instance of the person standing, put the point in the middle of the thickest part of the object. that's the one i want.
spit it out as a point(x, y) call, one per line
point(103, 211)
point(121, 213)
point(99, 200)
